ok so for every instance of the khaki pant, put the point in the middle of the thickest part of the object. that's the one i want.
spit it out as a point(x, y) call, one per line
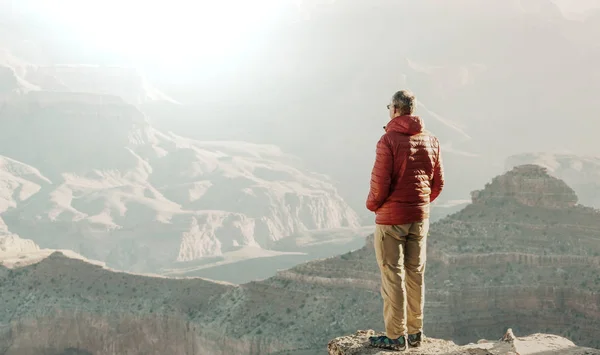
point(401, 255)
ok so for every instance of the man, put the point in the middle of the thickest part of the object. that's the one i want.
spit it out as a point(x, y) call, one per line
point(407, 176)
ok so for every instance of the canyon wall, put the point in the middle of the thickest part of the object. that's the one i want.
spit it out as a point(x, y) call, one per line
point(87, 172)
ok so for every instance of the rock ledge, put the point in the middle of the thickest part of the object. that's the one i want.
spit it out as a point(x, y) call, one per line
point(509, 344)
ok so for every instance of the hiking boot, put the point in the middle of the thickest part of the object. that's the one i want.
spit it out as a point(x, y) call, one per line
point(384, 342)
point(414, 340)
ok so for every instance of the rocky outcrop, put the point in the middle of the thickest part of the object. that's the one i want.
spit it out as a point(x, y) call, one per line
point(579, 172)
point(93, 176)
point(12, 244)
point(529, 185)
point(18, 183)
point(542, 344)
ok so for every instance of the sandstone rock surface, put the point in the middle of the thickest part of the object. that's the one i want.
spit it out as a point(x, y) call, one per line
point(540, 344)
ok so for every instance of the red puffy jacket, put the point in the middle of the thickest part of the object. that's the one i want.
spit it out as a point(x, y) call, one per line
point(408, 174)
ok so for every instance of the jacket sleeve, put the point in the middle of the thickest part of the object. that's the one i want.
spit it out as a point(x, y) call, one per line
point(381, 176)
point(437, 184)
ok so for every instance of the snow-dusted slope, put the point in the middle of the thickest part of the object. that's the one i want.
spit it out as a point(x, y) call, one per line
point(87, 172)
point(580, 172)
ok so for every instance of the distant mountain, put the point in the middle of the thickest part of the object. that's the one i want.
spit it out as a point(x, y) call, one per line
point(580, 172)
point(17, 76)
point(523, 254)
point(12, 75)
point(123, 82)
point(86, 172)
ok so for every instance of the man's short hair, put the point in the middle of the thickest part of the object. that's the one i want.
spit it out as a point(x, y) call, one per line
point(405, 101)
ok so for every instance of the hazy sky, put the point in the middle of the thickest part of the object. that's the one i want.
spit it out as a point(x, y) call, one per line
point(577, 6)
point(163, 33)
point(171, 38)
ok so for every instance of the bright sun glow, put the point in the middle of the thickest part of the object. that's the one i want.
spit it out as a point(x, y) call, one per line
point(166, 31)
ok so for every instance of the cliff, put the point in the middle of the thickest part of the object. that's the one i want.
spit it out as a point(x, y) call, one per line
point(12, 244)
point(542, 344)
point(501, 262)
point(87, 172)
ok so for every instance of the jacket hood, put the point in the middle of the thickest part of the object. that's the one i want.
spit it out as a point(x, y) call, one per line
point(410, 125)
